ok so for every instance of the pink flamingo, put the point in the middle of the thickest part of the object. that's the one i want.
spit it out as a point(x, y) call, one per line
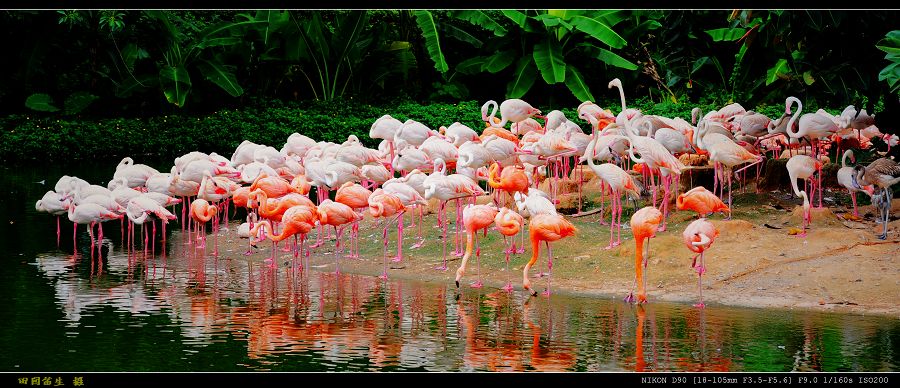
point(509, 224)
point(698, 237)
point(475, 218)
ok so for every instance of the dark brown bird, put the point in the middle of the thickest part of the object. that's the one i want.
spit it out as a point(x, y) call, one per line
point(883, 173)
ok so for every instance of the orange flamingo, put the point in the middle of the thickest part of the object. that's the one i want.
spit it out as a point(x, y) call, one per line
point(509, 223)
point(546, 228)
point(511, 179)
point(702, 201)
point(273, 186)
point(201, 213)
point(382, 204)
point(301, 184)
point(337, 215)
point(357, 197)
point(475, 218)
point(698, 237)
point(274, 208)
point(644, 225)
point(297, 220)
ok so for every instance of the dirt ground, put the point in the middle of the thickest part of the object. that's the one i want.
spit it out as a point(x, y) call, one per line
point(839, 266)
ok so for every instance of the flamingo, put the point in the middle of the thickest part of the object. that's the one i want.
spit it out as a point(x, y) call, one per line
point(409, 197)
point(382, 204)
point(511, 179)
point(698, 237)
point(803, 167)
point(53, 203)
point(297, 220)
point(376, 174)
point(884, 173)
point(337, 215)
point(726, 153)
point(385, 128)
point(88, 214)
point(512, 110)
point(140, 208)
point(458, 134)
point(297, 145)
point(201, 213)
point(509, 223)
point(814, 126)
point(619, 182)
point(656, 157)
point(847, 178)
point(626, 114)
point(546, 228)
point(702, 201)
point(447, 187)
point(475, 218)
point(414, 133)
point(357, 197)
point(644, 226)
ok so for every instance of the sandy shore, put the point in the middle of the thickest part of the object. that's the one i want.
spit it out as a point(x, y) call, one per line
point(838, 266)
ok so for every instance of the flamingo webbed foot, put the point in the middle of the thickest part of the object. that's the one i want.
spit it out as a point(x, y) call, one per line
point(629, 298)
point(700, 305)
point(476, 284)
point(508, 287)
point(442, 267)
point(396, 259)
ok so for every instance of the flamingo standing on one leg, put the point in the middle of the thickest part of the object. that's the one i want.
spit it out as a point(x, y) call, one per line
point(545, 228)
point(847, 178)
point(511, 179)
point(644, 225)
point(509, 224)
point(475, 218)
point(698, 237)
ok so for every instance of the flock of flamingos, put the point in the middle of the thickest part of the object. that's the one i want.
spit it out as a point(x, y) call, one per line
point(274, 185)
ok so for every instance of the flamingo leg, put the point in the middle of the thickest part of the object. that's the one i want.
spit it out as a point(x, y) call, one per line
point(399, 256)
point(853, 196)
point(384, 252)
point(700, 272)
point(549, 266)
point(443, 266)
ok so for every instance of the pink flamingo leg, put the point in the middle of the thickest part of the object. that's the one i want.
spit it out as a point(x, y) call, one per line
point(443, 266)
point(384, 253)
point(549, 267)
point(700, 272)
point(853, 196)
point(399, 256)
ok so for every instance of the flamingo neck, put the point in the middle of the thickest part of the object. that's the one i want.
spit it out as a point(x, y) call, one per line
point(790, 124)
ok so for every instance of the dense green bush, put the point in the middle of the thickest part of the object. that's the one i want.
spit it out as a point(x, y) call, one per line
point(29, 137)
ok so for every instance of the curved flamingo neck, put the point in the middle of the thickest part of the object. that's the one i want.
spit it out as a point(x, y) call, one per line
point(790, 124)
point(618, 85)
point(844, 157)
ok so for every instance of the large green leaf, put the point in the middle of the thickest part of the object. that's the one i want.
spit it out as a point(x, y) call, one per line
point(40, 102)
point(498, 61)
point(891, 74)
point(598, 30)
point(480, 18)
point(726, 34)
point(462, 35)
point(610, 17)
point(132, 53)
point(176, 84)
point(274, 21)
point(780, 68)
point(220, 75)
point(78, 101)
point(516, 16)
point(609, 57)
point(471, 66)
point(549, 60)
point(575, 83)
point(523, 78)
point(429, 31)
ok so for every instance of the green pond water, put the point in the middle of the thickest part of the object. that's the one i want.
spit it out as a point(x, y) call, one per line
point(177, 309)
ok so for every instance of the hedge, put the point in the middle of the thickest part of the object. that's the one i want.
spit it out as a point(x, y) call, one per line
point(54, 138)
